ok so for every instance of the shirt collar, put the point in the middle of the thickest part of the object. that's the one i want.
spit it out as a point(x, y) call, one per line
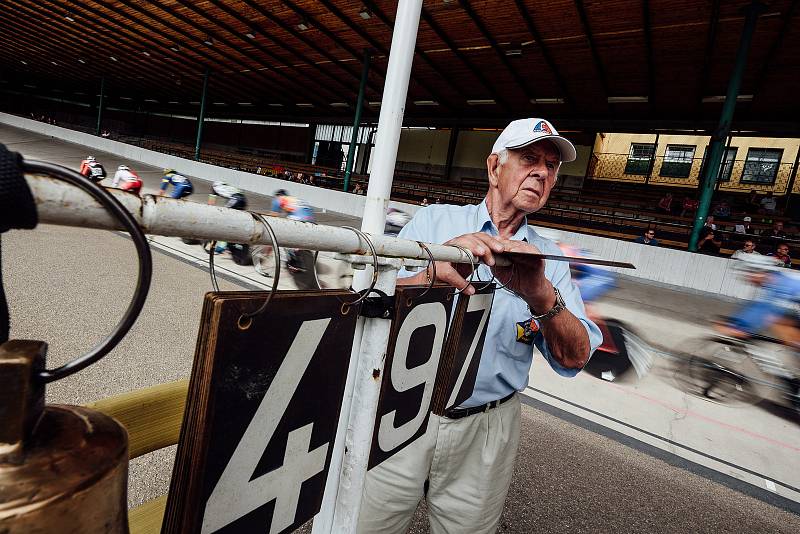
point(484, 223)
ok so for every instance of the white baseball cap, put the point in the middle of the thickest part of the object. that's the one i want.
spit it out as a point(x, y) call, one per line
point(524, 132)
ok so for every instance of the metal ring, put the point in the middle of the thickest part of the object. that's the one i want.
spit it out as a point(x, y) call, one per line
point(472, 262)
point(431, 263)
point(277, 255)
point(211, 268)
point(366, 292)
point(510, 279)
point(145, 272)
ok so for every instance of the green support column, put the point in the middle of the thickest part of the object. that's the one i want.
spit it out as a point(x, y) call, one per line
point(100, 105)
point(717, 144)
point(351, 152)
point(201, 117)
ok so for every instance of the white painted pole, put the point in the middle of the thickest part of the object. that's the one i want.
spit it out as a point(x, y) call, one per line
point(348, 471)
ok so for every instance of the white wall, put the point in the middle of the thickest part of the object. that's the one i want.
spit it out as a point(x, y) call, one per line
point(674, 267)
point(338, 201)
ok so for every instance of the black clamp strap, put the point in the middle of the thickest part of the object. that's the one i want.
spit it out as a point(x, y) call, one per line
point(380, 307)
point(17, 208)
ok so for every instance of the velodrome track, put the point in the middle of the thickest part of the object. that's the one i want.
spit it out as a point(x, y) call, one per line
point(595, 456)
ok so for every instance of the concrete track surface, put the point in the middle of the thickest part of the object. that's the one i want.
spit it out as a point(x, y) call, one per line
point(633, 456)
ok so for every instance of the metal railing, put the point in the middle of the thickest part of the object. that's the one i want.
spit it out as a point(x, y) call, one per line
point(621, 167)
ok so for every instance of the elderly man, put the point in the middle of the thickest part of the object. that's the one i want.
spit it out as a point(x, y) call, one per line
point(466, 458)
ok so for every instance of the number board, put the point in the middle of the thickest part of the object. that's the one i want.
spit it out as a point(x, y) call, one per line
point(416, 340)
point(262, 412)
point(462, 356)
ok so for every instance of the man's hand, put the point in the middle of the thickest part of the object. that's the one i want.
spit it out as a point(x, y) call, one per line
point(482, 246)
point(525, 277)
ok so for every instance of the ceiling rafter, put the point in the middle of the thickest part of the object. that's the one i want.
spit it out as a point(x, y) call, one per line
point(496, 47)
point(354, 72)
point(648, 47)
point(375, 44)
point(284, 46)
point(711, 38)
point(545, 51)
point(775, 48)
point(230, 57)
point(429, 20)
point(587, 30)
point(142, 40)
point(419, 52)
point(80, 49)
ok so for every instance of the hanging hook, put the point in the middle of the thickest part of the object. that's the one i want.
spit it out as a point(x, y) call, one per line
point(361, 235)
point(246, 319)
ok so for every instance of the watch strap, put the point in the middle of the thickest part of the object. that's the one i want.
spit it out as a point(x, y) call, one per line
point(557, 308)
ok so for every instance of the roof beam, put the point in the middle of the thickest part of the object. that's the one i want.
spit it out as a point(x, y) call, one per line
point(377, 46)
point(587, 30)
point(548, 57)
point(711, 37)
point(429, 20)
point(775, 48)
point(648, 46)
point(496, 47)
point(348, 68)
point(123, 33)
point(230, 57)
point(283, 45)
point(420, 53)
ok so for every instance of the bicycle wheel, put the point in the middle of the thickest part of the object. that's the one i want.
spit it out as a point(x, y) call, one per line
point(716, 383)
point(263, 260)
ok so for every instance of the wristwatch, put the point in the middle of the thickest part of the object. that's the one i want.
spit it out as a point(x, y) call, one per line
point(555, 310)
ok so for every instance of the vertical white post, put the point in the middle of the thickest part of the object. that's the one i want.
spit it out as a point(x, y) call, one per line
point(342, 501)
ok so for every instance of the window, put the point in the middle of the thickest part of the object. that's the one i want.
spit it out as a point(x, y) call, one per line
point(639, 158)
point(678, 161)
point(761, 166)
point(726, 165)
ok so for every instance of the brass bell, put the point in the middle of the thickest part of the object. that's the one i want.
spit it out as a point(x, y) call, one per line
point(63, 469)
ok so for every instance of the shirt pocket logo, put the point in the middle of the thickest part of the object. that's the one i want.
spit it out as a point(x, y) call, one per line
point(526, 331)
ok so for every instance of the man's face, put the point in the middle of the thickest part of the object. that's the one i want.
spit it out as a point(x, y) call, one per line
point(650, 234)
point(778, 225)
point(528, 175)
point(749, 246)
point(783, 250)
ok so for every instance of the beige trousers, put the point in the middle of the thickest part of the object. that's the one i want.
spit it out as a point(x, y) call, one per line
point(468, 462)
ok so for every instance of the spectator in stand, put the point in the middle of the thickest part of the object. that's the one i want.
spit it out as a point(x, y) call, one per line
point(776, 230)
point(665, 204)
point(424, 202)
point(689, 205)
point(648, 238)
point(357, 189)
point(769, 203)
point(782, 254)
point(710, 244)
point(708, 228)
point(753, 202)
point(745, 227)
point(722, 210)
point(745, 252)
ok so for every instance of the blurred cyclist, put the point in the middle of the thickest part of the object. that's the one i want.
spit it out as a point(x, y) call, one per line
point(127, 180)
point(92, 169)
point(181, 185)
point(291, 207)
point(234, 196)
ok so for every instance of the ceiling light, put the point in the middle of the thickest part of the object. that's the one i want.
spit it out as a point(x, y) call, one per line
point(304, 105)
point(338, 104)
point(514, 49)
point(69, 18)
point(82, 62)
point(250, 35)
point(721, 98)
point(220, 104)
point(145, 52)
point(173, 102)
point(481, 102)
point(153, 100)
point(628, 99)
point(303, 26)
point(195, 103)
point(175, 48)
point(374, 104)
point(275, 105)
point(547, 100)
point(209, 41)
point(365, 14)
point(125, 98)
point(54, 63)
point(23, 62)
point(113, 58)
point(245, 103)
point(30, 86)
point(426, 103)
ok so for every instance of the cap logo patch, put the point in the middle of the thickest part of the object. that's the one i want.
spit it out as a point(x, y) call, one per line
point(543, 127)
